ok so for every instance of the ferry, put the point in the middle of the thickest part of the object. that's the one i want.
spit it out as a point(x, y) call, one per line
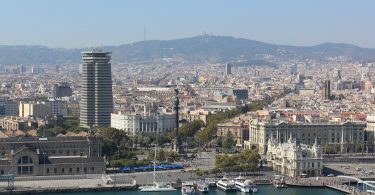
point(187, 188)
point(225, 184)
point(244, 185)
point(278, 181)
point(202, 186)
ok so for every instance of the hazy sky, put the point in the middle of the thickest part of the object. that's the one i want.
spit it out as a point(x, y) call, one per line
point(81, 23)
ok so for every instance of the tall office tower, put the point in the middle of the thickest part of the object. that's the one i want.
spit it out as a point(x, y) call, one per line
point(326, 91)
point(228, 69)
point(96, 89)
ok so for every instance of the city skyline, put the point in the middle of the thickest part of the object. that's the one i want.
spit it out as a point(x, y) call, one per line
point(72, 24)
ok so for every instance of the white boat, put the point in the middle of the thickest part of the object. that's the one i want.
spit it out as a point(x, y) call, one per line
point(244, 185)
point(187, 188)
point(156, 187)
point(211, 182)
point(278, 181)
point(225, 184)
point(202, 186)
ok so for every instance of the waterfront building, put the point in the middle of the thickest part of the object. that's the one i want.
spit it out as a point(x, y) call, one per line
point(344, 135)
point(295, 159)
point(96, 89)
point(64, 155)
point(133, 123)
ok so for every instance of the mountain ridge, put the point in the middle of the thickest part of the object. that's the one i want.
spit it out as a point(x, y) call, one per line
point(196, 49)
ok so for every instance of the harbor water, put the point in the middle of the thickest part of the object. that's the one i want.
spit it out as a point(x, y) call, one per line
point(262, 190)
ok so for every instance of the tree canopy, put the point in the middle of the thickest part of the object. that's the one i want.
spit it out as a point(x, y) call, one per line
point(245, 161)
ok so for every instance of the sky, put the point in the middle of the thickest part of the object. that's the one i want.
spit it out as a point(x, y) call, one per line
point(86, 23)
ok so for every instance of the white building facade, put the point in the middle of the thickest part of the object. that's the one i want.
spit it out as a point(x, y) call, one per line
point(133, 123)
point(342, 134)
point(294, 159)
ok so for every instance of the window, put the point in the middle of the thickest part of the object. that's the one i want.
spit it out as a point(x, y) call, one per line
point(25, 165)
point(70, 170)
point(85, 170)
point(47, 170)
point(25, 160)
point(77, 169)
point(92, 169)
point(55, 170)
point(62, 170)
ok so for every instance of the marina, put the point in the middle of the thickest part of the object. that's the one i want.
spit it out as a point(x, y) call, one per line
point(263, 190)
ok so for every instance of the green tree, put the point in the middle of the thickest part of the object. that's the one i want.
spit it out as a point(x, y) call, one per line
point(219, 142)
point(245, 161)
point(229, 142)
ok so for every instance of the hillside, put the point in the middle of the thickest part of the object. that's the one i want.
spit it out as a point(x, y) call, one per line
point(195, 49)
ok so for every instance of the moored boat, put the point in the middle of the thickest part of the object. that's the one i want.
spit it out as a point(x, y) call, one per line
point(188, 188)
point(211, 182)
point(157, 187)
point(202, 186)
point(244, 185)
point(225, 184)
point(278, 181)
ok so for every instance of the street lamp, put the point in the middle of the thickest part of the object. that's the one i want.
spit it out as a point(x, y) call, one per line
point(44, 163)
point(81, 156)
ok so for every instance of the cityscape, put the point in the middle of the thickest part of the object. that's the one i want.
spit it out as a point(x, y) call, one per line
point(179, 113)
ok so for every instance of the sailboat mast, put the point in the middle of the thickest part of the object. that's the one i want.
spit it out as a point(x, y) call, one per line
point(154, 163)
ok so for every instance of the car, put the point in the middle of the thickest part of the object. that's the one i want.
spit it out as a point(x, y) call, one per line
point(358, 169)
point(330, 175)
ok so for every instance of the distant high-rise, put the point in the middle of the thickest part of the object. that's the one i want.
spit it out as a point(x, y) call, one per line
point(62, 90)
point(326, 91)
point(96, 89)
point(339, 74)
point(37, 70)
point(228, 69)
point(294, 69)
